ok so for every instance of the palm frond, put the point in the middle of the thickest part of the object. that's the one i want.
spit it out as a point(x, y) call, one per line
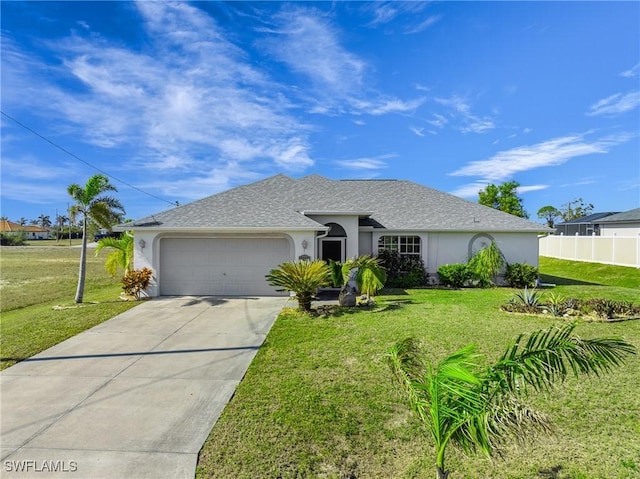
point(548, 356)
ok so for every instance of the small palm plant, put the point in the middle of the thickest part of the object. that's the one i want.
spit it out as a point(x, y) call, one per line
point(301, 277)
point(121, 257)
point(486, 264)
point(481, 408)
point(370, 277)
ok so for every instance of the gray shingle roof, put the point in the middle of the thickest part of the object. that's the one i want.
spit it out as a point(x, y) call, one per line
point(278, 202)
point(592, 218)
point(626, 216)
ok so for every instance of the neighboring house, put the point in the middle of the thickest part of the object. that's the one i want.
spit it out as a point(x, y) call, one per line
point(31, 232)
point(585, 226)
point(225, 244)
point(621, 224)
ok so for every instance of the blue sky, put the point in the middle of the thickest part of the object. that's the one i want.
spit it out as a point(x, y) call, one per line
point(184, 100)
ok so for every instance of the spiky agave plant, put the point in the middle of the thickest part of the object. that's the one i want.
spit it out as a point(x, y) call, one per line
point(482, 408)
point(301, 277)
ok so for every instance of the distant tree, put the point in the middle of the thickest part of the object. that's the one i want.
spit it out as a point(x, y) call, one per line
point(93, 205)
point(34, 222)
point(503, 197)
point(575, 209)
point(550, 214)
point(61, 221)
point(4, 218)
point(44, 220)
point(23, 221)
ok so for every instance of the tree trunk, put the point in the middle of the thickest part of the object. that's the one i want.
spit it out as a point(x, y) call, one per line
point(83, 263)
point(304, 301)
point(442, 474)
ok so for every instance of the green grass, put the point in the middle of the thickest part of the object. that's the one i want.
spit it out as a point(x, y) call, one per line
point(33, 281)
point(575, 273)
point(318, 401)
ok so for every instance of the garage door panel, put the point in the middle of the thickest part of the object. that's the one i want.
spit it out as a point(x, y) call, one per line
point(217, 266)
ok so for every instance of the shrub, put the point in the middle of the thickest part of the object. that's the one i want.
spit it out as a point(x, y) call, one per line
point(336, 273)
point(526, 301)
point(134, 282)
point(15, 239)
point(486, 264)
point(520, 275)
point(455, 275)
point(403, 271)
point(302, 277)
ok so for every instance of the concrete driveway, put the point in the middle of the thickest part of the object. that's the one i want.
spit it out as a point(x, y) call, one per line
point(134, 397)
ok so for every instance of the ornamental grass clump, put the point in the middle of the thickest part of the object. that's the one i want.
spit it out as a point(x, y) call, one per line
point(486, 264)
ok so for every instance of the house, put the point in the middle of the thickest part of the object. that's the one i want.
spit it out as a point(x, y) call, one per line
point(621, 224)
point(585, 226)
point(225, 244)
point(31, 232)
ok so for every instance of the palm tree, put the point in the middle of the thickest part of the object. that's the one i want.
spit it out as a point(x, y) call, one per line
point(61, 220)
point(370, 277)
point(476, 408)
point(23, 221)
point(44, 220)
point(93, 205)
point(301, 277)
point(122, 256)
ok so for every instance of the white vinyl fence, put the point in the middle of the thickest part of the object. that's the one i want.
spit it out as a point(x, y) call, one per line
point(618, 250)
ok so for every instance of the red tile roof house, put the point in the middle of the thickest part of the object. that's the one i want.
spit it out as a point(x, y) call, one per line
point(31, 232)
point(225, 244)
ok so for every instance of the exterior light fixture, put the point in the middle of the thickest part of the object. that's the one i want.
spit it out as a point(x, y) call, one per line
point(142, 243)
point(304, 244)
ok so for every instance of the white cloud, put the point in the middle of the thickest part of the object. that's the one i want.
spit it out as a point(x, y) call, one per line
point(310, 46)
point(423, 25)
point(374, 163)
point(438, 121)
point(615, 104)
point(557, 151)
point(190, 101)
point(527, 189)
point(417, 131)
point(470, 190)
point(632, 72)
point(469, 122)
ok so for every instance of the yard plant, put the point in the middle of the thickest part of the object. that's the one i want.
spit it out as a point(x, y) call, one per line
point(302, 277)
point(482, 408)
point(93, 204)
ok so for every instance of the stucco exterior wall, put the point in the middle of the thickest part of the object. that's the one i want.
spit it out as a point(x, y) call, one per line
point(447, 248)
point(350, 225)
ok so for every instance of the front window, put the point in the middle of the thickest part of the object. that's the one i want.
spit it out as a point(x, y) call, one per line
point(401, 244)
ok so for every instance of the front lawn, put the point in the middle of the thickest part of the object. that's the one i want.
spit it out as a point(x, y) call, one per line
point(34, 280)
point(318, 400)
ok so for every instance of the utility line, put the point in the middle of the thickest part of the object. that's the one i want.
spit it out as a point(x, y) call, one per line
point(86, 162)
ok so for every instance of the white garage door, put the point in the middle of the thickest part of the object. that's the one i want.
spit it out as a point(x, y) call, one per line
point(220, 266)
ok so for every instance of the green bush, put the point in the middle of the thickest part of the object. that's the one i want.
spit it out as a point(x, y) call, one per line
point(521, 275)
point(486, 264)
point(454, 275)
point(403, 271)
point(134, 282)
point(14, 239)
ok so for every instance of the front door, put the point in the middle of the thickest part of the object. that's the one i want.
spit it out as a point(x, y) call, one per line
point(332, 248)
